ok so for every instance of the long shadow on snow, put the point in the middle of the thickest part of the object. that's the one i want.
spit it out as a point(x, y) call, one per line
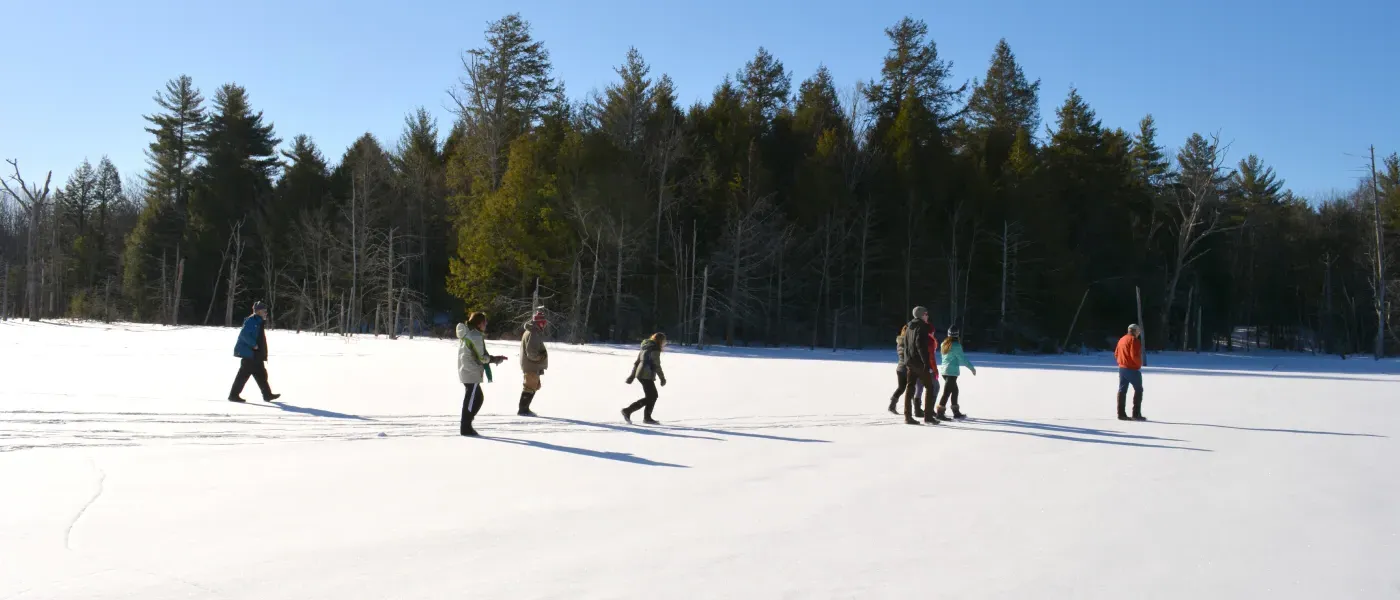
point(1266, 429)
point(762, 436)
point(1055, 436)
point(641, 430)
point(1260, 368)
point(315, 412)
point(1074, 430)
point(617, 456)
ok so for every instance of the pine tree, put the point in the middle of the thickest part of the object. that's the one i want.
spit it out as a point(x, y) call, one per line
point(765, 85)
point(912, 68)
point(169, 184)
point(1005, 100)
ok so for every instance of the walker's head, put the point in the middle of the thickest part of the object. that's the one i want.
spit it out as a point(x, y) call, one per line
point(260, 309)
point(921, 313)
point(1134, 330)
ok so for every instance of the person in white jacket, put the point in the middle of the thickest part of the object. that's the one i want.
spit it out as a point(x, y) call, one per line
point(473, 364)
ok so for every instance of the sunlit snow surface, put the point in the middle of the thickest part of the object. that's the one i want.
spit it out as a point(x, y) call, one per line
point(777, 474)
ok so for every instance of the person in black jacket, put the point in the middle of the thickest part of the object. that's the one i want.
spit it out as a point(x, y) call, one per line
point(252, 349)
point(916, 364)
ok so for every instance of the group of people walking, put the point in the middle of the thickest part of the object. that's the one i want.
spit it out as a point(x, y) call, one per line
point(922, 360)
point(474, 364)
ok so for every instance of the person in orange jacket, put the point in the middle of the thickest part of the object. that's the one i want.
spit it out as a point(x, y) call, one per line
point(1129, 355)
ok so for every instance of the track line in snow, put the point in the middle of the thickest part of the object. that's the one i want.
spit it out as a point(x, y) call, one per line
point(101, 487)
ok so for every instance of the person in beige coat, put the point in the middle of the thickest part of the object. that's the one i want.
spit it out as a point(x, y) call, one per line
point(534, 359)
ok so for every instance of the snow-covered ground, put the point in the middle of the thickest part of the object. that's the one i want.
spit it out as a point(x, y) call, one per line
point(777, 474)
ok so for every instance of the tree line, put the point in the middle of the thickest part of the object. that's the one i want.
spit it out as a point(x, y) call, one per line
point(815, 215)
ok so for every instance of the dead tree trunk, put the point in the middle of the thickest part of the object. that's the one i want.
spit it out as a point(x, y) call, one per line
point(704, 297)
point(33, 202)
point(179, 283)
point(235, 262)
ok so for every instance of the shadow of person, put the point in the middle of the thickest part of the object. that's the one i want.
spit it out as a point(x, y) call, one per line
point(1072, 430)
point(625, 428)
point(1270, 430)
point(1070, 438)
point(762, 436)
point(316, 412)
point(617, 456)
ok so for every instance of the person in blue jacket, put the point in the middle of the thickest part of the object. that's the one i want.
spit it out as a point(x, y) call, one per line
point(252, 349)
point(953, 361)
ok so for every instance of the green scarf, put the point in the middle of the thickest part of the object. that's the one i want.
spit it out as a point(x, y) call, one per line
point(485, 364)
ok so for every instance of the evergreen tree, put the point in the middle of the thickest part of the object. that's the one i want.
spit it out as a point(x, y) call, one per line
point(1005, 100)
point(912, 68)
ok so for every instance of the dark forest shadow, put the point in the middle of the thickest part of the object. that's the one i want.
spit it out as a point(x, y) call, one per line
point(617, 456)
point(1270, 430)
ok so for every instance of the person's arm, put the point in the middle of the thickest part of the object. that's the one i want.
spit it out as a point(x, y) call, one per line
point(530, 349)
point(656, 367)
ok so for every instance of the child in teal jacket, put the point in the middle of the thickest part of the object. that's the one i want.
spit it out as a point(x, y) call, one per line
point(953, 362)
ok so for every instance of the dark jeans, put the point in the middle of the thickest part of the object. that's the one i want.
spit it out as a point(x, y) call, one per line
point(648, 402)
point(258, 371)
point(903, 383)
point(916, 377)
point(1127, 377)
point(950, 391)
point(471, 404)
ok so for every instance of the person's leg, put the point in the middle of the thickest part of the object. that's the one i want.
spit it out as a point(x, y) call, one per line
point(650, 401)
point(950, 383)
point(920, 399)
point(909, 391)
point(260, 376)
point(240, 380)
point(1136, 381)
point(903, 383)
point(532, 385)
point(1123, 379)
point(471, 404)
point(930, 394)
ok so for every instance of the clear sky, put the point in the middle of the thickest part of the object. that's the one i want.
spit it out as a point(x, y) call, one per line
point(1306, 84)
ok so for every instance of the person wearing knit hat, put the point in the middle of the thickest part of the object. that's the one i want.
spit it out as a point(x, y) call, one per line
point(534, 359)
point(916, 363)
point(953, 361)
point(251, 349)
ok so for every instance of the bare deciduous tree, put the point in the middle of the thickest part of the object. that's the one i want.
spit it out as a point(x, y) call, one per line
point(33, 201)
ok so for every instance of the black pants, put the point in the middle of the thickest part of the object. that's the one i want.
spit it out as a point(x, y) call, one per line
point(903, 383)
point(648, 403)
point(950, 390)
point(258, 371)
point(471, 404)
point(914, 378)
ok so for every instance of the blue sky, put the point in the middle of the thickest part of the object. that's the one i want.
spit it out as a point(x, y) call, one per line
point(1307, 85)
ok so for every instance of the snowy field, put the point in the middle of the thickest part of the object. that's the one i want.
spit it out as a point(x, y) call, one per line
point(776, 474)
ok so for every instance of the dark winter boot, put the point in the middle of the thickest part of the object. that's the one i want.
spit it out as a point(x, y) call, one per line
point(909, 410)
point(627, 415)
point(237, 399)
point(469, 432)
point(894, 410)
point(1122, 401)
point(271, 397)
point(525, 399)
point(930, 419)
point(1137, 408)
point(942, 412)
point(957, 413)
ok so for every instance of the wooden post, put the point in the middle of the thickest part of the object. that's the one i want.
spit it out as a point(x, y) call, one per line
point(1142, 333)
point(704, 295)
point(1380, 261)
point(179, 281)
point(1074, 321)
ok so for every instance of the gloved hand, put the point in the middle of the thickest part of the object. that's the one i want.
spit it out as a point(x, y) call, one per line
point(663, 382)
point(496, 360)
point(974, 371)
point(630, 379)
